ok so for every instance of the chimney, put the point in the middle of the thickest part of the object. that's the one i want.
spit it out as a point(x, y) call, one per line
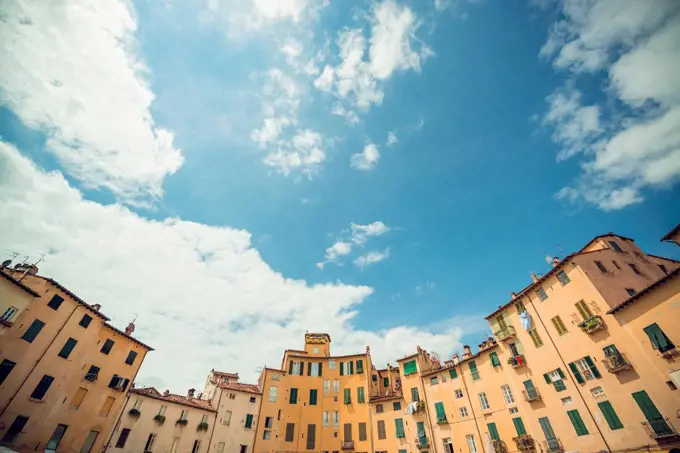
point(456, 359)
point(190, 393)
point(555, 261)
point(130, 328)
point(166, 392)
point(466, 351)
point(96, 307)
point(513, 295)
point(368, 350)
point(534, 277)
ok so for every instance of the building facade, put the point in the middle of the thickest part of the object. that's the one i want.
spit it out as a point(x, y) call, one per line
point(14, 298)
point(65, 370)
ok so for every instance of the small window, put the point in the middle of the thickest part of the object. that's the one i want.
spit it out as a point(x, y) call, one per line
point(601, 267)
point(253, 399)
point(267, 435)
point(542, 295)
point(635, 269)
point(396, 405)
point(331, 364)
point(559, 325)
point(123, 438)
point(54, 441)
point(67, 348)
point(616, 265)
point(33, 331)
point(85, 321)
point(563, 278)
point(9, 314)
point(92, 374)
point(132, 355)
point(106, 407)
point(458, 393)
point(671, 385)
point(379, 408)
point(513, 410)
point(658, 338)
point(55, 302)
point(463, 412)
point(663, 268)
point(615, 246)
point(434, 380)
point(315, 350)
point(6, 368)
point(275, 377)
point(269, 422)
point(410, 367)
point(507, 394)
point(536, 338)
point(226, 420)
point(597, 392)
point(566, 400)
point(108, 344)
point(631, 292)
point(483, 401)
point(42, 387)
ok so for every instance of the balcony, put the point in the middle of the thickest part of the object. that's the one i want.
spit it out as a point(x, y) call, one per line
point(670, 353)
point(660, 429)
point(616, 362)
point(422, 442)
point(517, 361)
point(553, 446)
point(525, 443)
point(531, 395)
point(348, 445)
point(505, 333)
point(592, 324)
point(499, 446)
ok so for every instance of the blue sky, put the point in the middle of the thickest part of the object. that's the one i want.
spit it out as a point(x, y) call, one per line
point(257, 132)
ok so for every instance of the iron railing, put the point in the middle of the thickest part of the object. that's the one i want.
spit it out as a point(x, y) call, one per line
point(517, 361)
point(592, 324)
point(499, 446)
point(616, 362)
point(348, 445)
point(660, 428)
point(531, 394)
point(505, 333)
point(553, 446)
point(524, 442)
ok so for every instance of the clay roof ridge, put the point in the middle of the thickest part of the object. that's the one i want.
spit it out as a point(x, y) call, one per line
point(647, 290)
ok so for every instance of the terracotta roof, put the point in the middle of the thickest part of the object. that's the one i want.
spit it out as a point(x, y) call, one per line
point(296, 350)
point(225, 374)
point(408, 357)
point(671, 233)
point(378, 399)
point(663, 258)
point(151, 392)
point(246, 388)
point(647, 290)
point(19, 284)
point(129, 337)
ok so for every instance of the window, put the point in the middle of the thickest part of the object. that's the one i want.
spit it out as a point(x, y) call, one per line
point(381, 430)
point(311, 436)
point(542, 295)
point(248, 423)
point(85, 321)
point(347, 396)
point(92, 374)
point(9, 314)
point(290, 432)
point(519, 426)
point(601, 267)
point(266, 435)
point(556, 378)
point(452, 373)
point(15, 429)
point(227, 418)
point(347, 428)
point(293, 396)
point(106, 407)
point(559, 325)
point(494, 359)
point(434, 380)
point(315, 350)
point(399, 427)
point(108, 344)
point(272, 394)
point(346, 368)
point(312, 397)
point(410, 367)
point(119, 383)
point(184, 414)
point(473, 370)
point(336, 419)
point(252, 399)
point(78, 398)
point(458, 393)
point(609, 415)
point(243, 448)
point(295, 368)
point(89, 442)
point(314, 369)
point(326, 420)
point(615, 246)
point(658, 338)
point(379, 409)
point(536, 338)
point(220, 447)
point(57, 435)
point(275, 377)
point(162, 409)
point(55, 302)
point(631, 291)
point(663, 268)
point(493, 431)
point(513, 410)
point(149, 442)
point(326, 386)
point(6, 367)
point(33, 331)
point(396, 405)
point(584, 370)
point(132, 355)
point(563, 278)
point(360, 395)
point(42, 387)
point(597, 392)
point(463, 412)
point(67, 348)
point(576, 420)
point(360, 366)
point(173, 447)
point(483, 401)
point(470, 439)
point(362, 431)
point(386, 382)
point(635, 269)
point(336, 386)
point(123, 438)
point(414, 394)
point(331, 364)
point(196, 447)
point(584, 310)
point(443, 378)
point(566, 400)
point(441, 412)
point(507, 394)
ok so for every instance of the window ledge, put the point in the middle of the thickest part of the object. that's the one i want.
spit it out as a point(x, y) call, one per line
point(36, 400)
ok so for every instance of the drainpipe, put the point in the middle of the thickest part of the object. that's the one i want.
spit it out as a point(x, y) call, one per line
point(472, 409)
point(217, 414)
point(571, 378)
point(427, 414)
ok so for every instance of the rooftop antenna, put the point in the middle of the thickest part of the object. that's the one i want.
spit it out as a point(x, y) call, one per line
point(26, 268)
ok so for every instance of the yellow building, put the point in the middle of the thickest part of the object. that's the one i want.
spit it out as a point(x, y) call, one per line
point(65, 370)
point(14, 298)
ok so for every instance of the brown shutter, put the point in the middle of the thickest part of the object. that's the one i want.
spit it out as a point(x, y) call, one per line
point(362, 431)
point(381, 429)
point(290, 432)
point(311, 436)
point(348, 432)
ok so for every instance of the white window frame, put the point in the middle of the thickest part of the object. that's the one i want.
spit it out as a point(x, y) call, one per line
point(315, 350)
point(463, 412)
point(458, 393)
point(507, 394)
point(336, 386)
point(316, 369)
point(483, 401)
point(184, 414)
point(138, 404)
point(331, 364)
point(336, 419)
point(566, 400)
point(554, 376)
point(9, 313)
point(272, 394)
point(472, 446)
point(204, 419)
point(297, 368)
point(226, 420)
point(597, 392)
point(326, 386)
point(585, 370)
point(326, 419)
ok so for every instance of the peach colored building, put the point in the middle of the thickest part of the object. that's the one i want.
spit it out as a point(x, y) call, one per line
point(65, 371)
point(14, 298)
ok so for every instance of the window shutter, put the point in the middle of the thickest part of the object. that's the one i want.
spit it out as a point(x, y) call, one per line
point(414, 394)
point(309, 370)
point(559, 371)
point(658, 338)
point(583, 309)
point(351, 368)
point(494, 359)
point(312, 397)
point(421, 429)
point(386, 382)
point(360, 366)
point(546, 376)
point(360, 395)
point(576, 420)
point(452, 373)
point(362, 431)
point(576, 372)
point(410, 367)
point(311, 436)
point(519, 426)
point(290, 432)
point(320, 368)
point(441, 413)
point(609, 415)
point(493, 431)
point(342, 368)
point(249, 421)
point(399, 425)
point(290, 367)
point(348, 431)
point(646, 405)
point(592, 366)
point(348, 396)
point(293, 396)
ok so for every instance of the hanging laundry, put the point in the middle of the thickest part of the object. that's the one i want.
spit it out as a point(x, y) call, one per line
point(525, 319)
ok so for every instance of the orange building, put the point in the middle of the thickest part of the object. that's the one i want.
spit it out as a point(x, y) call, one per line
point(14, 298)
point(65, 370)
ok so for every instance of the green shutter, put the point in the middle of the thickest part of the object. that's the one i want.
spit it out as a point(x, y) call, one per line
point(293, 396)
point(519, 426)
point(342, 368)
point(452, 373)
point(348, 396)
point(576, 372)
point(546, 376)
point(312, 397)
point(576, 420)
point(360, 366)
point(609, 415)
point(473, 370)
point(249, 421)
point(420, 429)
point(494, 359)
point(396, 405)
point(414, 394)
point(441, 413)
point(410, 367)
point(559, 371)
point(493, 432)
point(592, 366)
point(659, 339)
point(559, 386)
point(360, 395)
point(386, 382)
point(646, 405)
point(351, 368)
point(399, 424)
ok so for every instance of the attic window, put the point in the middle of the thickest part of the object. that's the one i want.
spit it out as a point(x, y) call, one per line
point(615, 246)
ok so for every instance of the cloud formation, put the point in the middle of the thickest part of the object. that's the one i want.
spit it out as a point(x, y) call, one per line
point(357, 236)
point(367, 159)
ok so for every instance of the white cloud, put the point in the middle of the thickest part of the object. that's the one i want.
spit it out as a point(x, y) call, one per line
point(271, 131)
point(361, 233)
point(357, 236)
point(367, 159)
point(391, 139)
point(206, 282)
point(350, 116)
point(305, 152)
point(639, 146)
point(77, 77)
point(371, 258)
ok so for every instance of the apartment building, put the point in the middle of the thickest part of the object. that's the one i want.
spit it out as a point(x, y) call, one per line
point(65, 370)
point(14, 298)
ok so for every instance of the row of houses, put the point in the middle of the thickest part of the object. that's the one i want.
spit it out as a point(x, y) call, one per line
point(582, 359)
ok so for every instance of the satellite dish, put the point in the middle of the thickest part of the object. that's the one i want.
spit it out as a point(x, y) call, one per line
point(7, 263)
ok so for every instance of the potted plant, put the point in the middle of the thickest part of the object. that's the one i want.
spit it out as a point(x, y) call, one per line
point(160, 419)
point(442, 421)
point(182, 422)
point(134, 413)
point(203, 426)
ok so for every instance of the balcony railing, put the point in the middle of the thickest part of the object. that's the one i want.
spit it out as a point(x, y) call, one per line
point(505, 333)
point(616, 362)
point(553, 446)
point(670, 353)
point(422, 442)
point(348, 445)
point(660, 429)
point(524, 442)
point(531, 395)
point(499, 446)
point(592, 324)
point(517, 361)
